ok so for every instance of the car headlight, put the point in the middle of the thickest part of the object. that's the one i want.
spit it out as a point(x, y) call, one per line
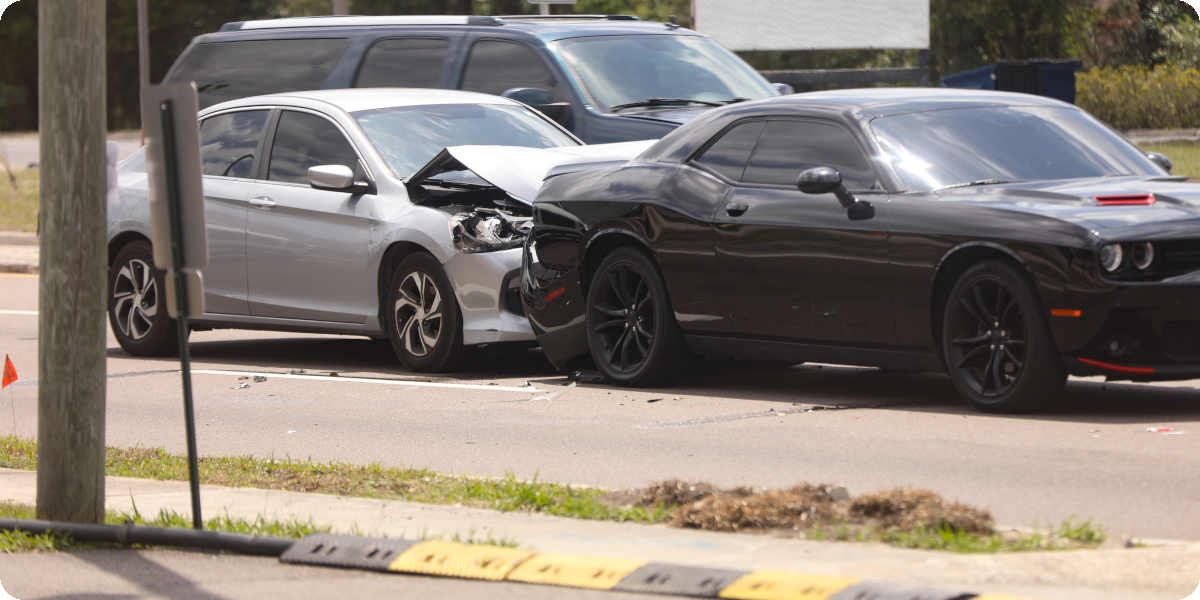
point(1111, 257)
point(1142, 255)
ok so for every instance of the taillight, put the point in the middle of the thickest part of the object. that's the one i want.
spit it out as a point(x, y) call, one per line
point(1126, 200)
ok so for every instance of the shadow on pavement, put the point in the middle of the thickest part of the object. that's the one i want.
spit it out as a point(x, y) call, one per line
point(134, 567)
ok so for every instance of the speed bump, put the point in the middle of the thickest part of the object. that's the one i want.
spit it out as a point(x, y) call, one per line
point(678, 580)
point(452, 559)
point(575, 570)
point(347, 552)
point(782, 585)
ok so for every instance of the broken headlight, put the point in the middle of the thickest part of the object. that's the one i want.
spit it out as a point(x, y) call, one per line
point(488, 230)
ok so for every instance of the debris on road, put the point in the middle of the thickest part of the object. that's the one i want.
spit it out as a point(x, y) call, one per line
point(653, 400)
point(241, 386)
point(586, 376)
point(1164, 430)
point(259, 379)
point(296, 372)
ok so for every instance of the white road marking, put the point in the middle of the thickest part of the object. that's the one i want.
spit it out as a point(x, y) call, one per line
point(30, 313)
point(433, 384)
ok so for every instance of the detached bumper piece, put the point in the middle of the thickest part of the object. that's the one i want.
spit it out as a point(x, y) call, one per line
point(494, 563)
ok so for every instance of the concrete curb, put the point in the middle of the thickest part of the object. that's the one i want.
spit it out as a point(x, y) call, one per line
point(9, 267)
point(497, 563)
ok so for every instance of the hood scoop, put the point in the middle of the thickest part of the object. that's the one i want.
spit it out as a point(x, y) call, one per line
point(1125, 200)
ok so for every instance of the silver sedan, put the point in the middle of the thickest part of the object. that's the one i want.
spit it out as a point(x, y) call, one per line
point(347, 211)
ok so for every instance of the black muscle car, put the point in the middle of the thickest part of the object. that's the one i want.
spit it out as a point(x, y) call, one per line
point(1007, 239)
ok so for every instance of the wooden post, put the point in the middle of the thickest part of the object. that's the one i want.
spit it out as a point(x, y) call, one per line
point(71, 298)
point(341, 7)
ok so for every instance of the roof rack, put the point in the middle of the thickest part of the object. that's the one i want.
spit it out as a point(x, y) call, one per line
point(569, 17)
point(359, 20)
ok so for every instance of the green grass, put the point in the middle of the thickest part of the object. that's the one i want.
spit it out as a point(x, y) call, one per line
point(1067, 536)
point(369, 481)
point(1186, 156)
point(19, 206)
point(14, 541)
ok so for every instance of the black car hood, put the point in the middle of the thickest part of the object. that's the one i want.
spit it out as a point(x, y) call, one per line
point(677, 115)
point(1175, 211)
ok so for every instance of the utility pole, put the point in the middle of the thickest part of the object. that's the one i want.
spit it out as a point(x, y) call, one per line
point(71, 299)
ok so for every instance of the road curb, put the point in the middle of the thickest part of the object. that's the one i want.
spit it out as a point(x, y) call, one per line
point(496, 563)
point(17, 268)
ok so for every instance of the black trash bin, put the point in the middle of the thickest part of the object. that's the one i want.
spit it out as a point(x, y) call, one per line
point(1053, 78)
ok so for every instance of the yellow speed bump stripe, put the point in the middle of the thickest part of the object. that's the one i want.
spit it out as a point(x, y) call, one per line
point(778, 585)
point(452, 559)
point(575, 570)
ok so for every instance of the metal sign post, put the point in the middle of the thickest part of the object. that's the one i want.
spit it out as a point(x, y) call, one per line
point(176, 219)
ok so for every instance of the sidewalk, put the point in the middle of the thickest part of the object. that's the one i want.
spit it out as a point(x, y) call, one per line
point(1167, 572)
point(18, 252)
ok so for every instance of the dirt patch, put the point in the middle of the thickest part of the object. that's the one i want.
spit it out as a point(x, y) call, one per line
point(701, 505)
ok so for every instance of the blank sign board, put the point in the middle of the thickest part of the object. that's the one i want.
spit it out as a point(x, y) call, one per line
point(814, 24)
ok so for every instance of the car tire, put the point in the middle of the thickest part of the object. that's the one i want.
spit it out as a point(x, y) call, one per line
point(137, 303)
point(422, 317)
point(996, 343)
point(640, 345)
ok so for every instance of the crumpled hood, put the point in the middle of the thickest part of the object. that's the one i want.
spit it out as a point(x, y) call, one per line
point(1175, 211)
point(519, 170)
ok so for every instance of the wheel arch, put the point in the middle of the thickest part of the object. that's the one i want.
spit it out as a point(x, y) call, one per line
point(957, 261)
point(604, 242)
point(121, 240)
point(395, 252)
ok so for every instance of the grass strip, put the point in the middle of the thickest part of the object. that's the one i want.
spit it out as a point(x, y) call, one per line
point(16, 541)
point(369, 481)
point(19, 200)
point(902, 518)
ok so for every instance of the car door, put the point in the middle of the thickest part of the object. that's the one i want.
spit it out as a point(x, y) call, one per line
point(306, 249)
point(230, 146)
point(801, 268)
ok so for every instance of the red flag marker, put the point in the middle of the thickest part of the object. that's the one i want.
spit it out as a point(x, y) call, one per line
point(10, 373)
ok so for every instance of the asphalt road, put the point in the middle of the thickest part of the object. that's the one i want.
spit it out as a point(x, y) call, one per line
point(1088, 455)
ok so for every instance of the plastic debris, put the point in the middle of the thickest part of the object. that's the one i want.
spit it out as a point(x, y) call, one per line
point(587, 376)
point(1164, 430)
point(241, 386)
point(259, 379)
point(296, 372)
point(653, 400)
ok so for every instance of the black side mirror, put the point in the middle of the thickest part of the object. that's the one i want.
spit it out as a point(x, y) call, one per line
point(826, 180)
point(1161, 160)
point(528, 95)
point(542, 100)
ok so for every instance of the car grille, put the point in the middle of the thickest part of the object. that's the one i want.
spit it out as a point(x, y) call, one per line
point(1181, 340)
point(1180, 257)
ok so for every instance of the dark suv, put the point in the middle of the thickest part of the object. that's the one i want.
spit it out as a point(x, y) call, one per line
point(606, 78)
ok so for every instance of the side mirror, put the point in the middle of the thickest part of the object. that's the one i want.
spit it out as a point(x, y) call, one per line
point(1161, 160)
point(783, 88)
point(528, 95)
point(541, 100)
point(819, 180)
point(338, 178)
point(827, 180)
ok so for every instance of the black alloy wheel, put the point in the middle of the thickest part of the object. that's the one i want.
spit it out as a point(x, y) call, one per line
point(631, 330)
point(422, 317)
point(137, 303)
point(995, 341)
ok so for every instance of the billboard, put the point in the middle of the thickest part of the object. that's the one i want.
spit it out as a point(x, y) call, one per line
point(813, 24)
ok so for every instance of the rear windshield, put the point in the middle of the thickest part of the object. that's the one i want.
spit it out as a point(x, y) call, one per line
point(407, 137)
point(230, 70)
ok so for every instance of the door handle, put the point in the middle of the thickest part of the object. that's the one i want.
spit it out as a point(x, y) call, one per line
point(262, 202)
point(736, 208)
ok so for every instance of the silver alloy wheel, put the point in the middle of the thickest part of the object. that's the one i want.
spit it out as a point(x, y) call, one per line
point(418, 312)
point(135, 299)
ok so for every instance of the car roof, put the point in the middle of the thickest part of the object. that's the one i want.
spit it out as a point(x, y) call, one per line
point(356, 99)
point(546, 28)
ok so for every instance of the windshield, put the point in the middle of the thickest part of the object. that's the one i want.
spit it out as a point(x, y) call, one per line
point(407, 137)
point(940, 148)
point(625, 69)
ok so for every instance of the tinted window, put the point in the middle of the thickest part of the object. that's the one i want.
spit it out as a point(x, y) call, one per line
point(229, 141)
point(728, 155)
point(304, 140)
point(946, 147)
point(404, 62)
point(227, 70)
point(407, 137)
point(495, 67)
point(788, 147)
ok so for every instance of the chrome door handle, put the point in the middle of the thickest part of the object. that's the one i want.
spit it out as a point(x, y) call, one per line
point(262, 202)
